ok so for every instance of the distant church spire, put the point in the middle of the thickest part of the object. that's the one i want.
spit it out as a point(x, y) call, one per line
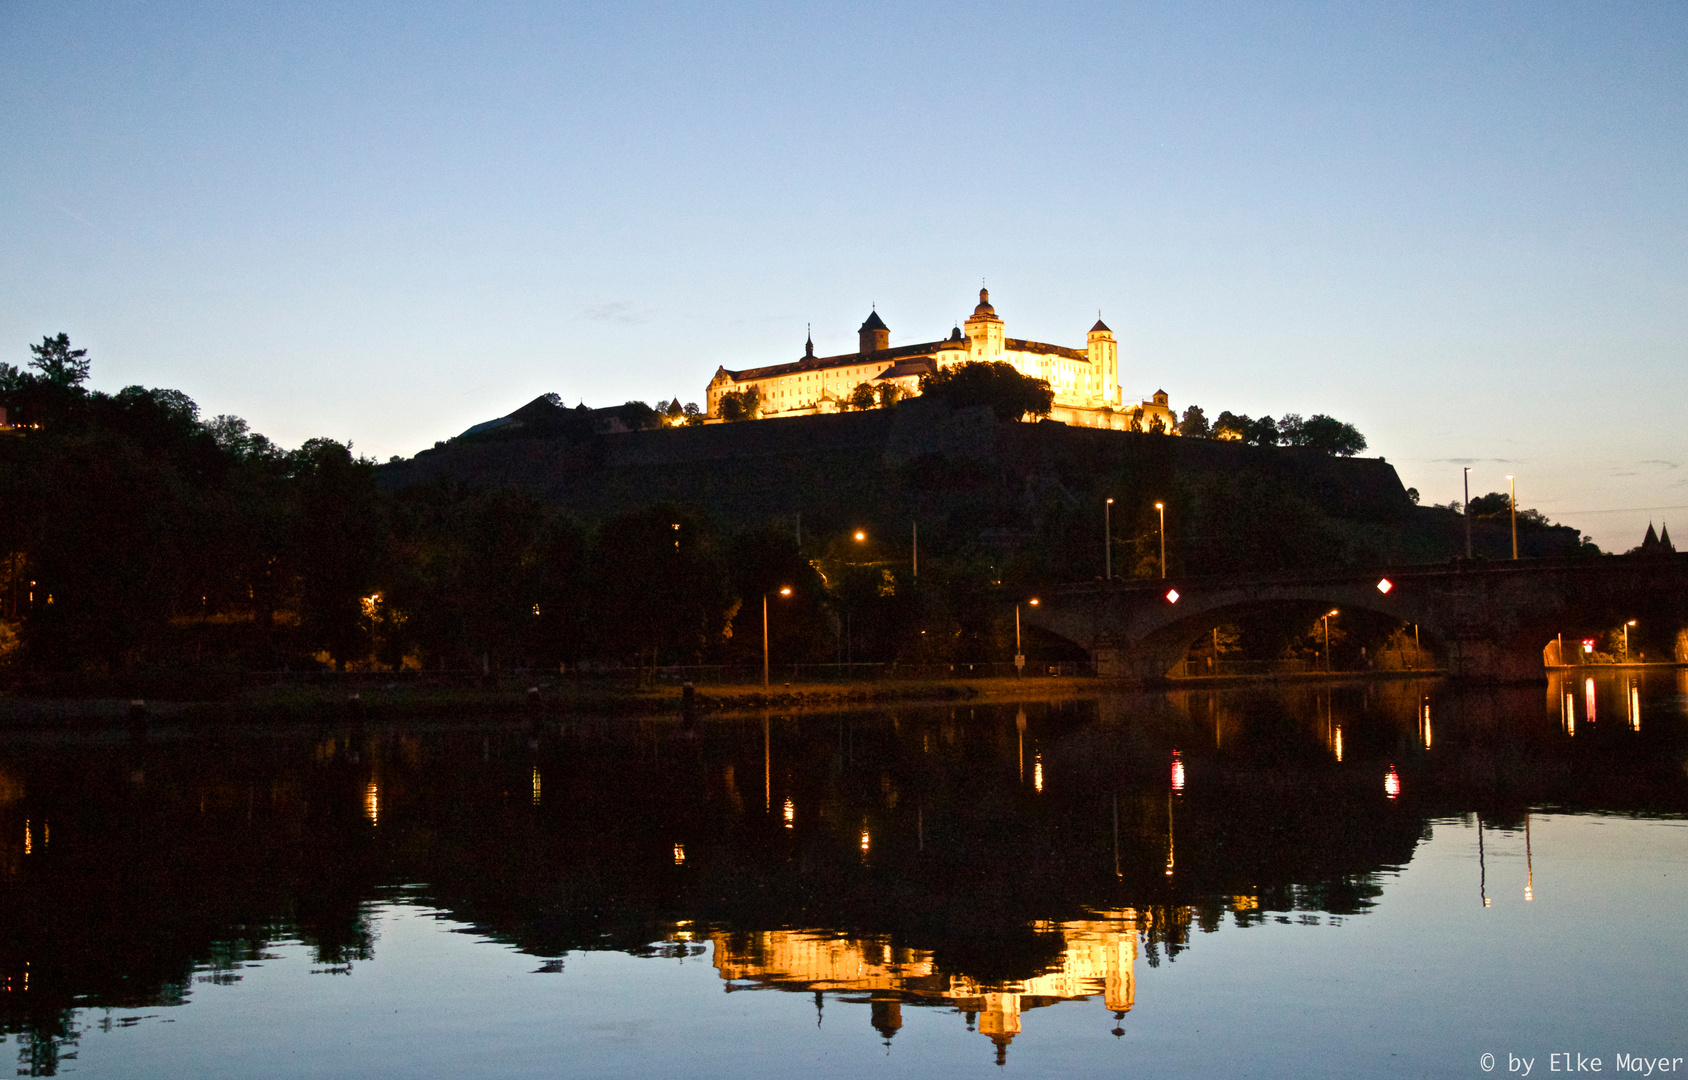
point(809, 345)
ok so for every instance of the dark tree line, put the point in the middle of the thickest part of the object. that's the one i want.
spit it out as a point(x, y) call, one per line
point(1317, 432)
point(139, 536)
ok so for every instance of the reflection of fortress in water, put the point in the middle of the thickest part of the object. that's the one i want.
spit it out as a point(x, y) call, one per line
point(1098, 956)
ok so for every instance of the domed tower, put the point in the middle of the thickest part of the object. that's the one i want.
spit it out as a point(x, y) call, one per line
point(984, 329)
point(1104, 361)
point(875, 335)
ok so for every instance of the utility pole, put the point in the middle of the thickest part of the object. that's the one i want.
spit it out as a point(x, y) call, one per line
point(1108, 539)
point(1512, 504)
point(917, 549)
point(1468, 511)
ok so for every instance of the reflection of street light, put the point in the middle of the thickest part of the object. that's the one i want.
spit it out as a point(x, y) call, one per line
point(1627, 625)
point(785, 590)
point(1512, 505)
point(1108, 538)
point(1161, 509)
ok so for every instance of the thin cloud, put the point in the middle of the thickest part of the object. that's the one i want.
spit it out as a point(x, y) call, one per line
point(1475, 460)
point(624, 312)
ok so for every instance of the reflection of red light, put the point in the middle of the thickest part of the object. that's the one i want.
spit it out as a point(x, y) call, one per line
point(1392, 784)
point(1177, 772)
point(1172, 596)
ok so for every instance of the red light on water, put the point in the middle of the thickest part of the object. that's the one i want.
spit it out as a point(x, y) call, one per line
point(1392, 784)
point(1177, 772)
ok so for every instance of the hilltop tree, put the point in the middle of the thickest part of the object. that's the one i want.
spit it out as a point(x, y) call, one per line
point(1322, 433)
point(743, 404)
point(1194, 424)
point(1009, 394)
point(59, 364)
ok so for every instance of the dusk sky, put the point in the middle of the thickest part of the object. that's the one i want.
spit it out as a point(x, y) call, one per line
point(1462, 227)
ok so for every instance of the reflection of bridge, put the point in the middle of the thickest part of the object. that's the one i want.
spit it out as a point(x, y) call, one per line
point(1098, 956)
point(1492, 618)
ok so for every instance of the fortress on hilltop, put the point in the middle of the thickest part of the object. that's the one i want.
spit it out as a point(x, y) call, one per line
point(1085, 381)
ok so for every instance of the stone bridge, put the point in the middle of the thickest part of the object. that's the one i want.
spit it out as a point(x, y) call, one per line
point(1491, 620)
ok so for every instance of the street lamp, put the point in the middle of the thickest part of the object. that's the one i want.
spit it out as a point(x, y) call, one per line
point(1627, 625)
point(1161, 509)
point(1108, 538)
point(1468, 511)
point(1020, 657)
point(1326, 621)
point(1512, 504)
point(785, 590)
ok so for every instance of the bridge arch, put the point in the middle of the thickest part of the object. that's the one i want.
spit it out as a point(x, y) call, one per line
point(1492, 619)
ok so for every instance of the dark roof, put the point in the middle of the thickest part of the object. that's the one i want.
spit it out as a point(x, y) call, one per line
point(1018, 345)
point(984, 307)
point(1102, 326)
point(917, 365)
point(874, 322)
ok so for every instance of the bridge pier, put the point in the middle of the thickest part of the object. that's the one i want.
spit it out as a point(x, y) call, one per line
point(1482, 659)
point(1139, 664)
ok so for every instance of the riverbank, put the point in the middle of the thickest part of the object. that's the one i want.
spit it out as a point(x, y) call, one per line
point(340, 701)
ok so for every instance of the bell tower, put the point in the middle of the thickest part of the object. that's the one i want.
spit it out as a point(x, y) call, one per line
point(984, 329)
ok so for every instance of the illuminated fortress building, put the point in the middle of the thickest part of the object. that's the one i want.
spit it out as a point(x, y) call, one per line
point(1085, 381)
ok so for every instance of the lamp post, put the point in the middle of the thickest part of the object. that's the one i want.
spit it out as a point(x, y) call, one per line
point(1160, 508)
point(1020, 657)
point(1627, 625)
point(1326, 621)
point(1108, 538)
point(784, 591)
point(1468, 511)
point(1512, 505)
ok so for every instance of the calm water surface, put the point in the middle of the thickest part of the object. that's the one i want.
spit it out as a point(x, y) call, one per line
point(1390, 879)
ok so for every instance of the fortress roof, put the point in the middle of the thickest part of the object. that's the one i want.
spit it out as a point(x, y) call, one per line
point(855, 359)
point(1017, 345)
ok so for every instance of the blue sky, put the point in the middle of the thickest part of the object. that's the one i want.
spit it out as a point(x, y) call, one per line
point(1460, 226)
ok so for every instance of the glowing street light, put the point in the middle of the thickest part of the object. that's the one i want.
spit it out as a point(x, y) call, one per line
point(1161, 509)
point(1627, 625)
point(860, 536)
point(1325, 619)
point(785, 590)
